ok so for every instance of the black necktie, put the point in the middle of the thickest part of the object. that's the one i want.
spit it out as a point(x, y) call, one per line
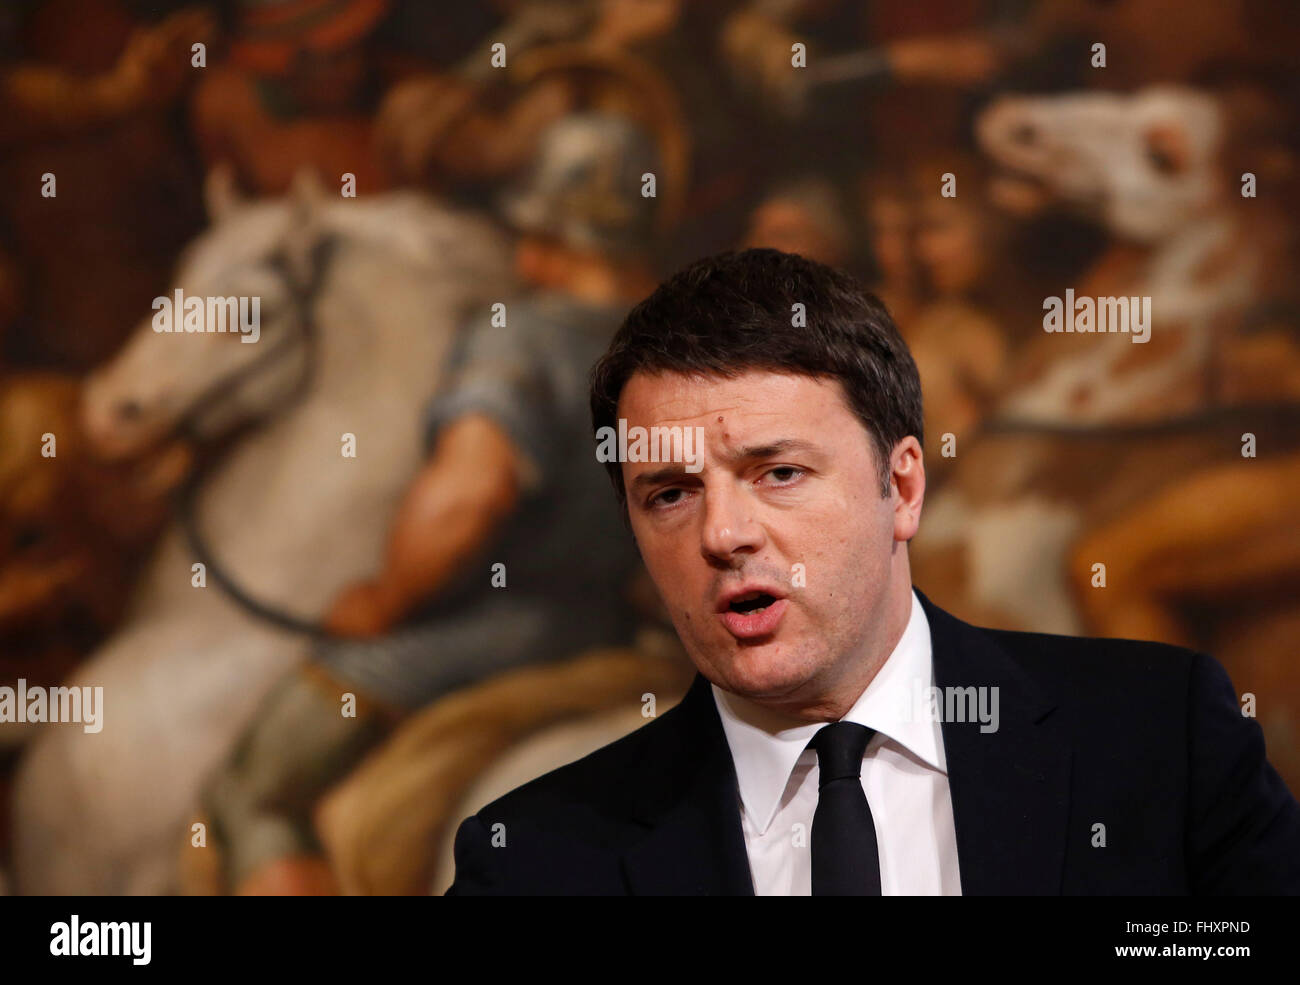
point(845, 860)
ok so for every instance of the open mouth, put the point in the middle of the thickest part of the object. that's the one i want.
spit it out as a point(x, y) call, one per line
point(754, 616)
point(753, 602)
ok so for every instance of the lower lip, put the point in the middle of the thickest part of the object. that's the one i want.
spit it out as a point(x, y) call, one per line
point(751, 625)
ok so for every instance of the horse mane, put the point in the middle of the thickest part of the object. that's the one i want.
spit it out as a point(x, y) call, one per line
point(421, 230)
point(410, 225)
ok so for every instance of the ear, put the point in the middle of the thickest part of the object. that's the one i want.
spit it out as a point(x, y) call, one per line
point(307, 215)
point(307, 192)
point(908, 476)
point(221, 194)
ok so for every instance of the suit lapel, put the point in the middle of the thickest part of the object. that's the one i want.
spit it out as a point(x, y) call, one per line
point(1010, 787)
point(695, 845)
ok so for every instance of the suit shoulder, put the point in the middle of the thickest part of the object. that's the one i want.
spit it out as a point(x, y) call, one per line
point(1069, 656)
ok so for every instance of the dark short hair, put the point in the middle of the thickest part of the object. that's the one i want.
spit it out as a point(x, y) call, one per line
point(734, 312)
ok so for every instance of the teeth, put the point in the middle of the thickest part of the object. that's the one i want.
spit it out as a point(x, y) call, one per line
point(742, 604)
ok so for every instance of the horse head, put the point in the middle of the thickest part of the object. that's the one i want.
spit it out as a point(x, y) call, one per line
point(232, 339)
point(1144, 165)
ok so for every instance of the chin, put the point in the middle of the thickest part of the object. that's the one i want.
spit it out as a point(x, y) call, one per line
point(762, 671)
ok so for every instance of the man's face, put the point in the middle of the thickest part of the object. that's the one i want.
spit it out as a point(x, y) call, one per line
point(787, 502)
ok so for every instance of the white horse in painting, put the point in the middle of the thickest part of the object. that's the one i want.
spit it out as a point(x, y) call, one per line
point(352, 342)
point(997, 535)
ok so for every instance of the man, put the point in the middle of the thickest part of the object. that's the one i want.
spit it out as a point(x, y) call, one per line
point(484, 570)
point(1054, 766)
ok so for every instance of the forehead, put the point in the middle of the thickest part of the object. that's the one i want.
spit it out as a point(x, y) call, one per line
point(753, 399)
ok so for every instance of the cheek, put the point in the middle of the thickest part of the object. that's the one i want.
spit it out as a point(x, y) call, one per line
point(668, 562)
point(849, 545)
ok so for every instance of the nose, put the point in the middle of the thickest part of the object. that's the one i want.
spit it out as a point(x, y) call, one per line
point(729, 526)
point(110, 423)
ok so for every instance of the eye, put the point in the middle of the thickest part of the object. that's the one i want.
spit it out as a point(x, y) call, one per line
point(1161, 160)
point(657, 501)
point(1168, 149)
point(791, 472)
point(274, 308)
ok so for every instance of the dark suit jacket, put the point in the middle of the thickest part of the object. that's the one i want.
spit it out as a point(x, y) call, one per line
point(1144, 738)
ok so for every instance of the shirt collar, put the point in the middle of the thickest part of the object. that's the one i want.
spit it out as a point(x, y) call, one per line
point(765, 747)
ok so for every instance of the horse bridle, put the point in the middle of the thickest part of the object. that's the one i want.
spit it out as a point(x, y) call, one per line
point(303, 293)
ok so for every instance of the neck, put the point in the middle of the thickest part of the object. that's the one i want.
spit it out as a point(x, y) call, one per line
point(830, 696)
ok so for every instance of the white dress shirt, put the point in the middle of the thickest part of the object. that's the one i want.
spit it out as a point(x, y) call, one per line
point(904, 775)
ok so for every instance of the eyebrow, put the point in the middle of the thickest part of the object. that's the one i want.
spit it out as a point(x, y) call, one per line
point(773, 448)
point(748, 453)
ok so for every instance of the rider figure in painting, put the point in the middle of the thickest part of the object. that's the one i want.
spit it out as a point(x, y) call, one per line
point(480, 574)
